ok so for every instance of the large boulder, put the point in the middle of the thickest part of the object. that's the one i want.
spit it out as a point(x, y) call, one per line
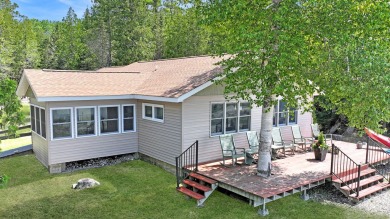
point(85, 183)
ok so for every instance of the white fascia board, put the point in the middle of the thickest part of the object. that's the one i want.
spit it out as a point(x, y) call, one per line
point(22, 86)
point(113, 97)
point(194, 91)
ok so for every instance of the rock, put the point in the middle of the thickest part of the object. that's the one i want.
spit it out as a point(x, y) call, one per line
point(85, 183)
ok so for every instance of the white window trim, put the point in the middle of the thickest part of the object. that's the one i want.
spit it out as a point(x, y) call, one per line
point(71, 124)
point(224, 119)
point(40, 116)
point(153, 112)
point(95, 117)
point(119, 120)
point(288, 116)
point(134, 119)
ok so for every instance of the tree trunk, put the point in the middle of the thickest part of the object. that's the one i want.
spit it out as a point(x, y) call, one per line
point(264, 162)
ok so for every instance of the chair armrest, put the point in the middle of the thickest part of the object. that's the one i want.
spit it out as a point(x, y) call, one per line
point(243, 149)
point(288, 142)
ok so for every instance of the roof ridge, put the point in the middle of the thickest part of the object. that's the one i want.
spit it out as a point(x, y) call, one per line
point(177, 58)
point(89, 71)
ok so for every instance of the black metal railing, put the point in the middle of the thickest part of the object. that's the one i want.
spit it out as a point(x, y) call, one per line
point(345, 169)
point(377, 158)
point(186, 163)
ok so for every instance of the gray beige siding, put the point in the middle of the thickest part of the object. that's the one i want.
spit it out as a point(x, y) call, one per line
point(159, 140)
point(196, 126)
point(67, 150)
point(40, 148)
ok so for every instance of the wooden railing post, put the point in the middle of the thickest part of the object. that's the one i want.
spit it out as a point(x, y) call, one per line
point(368, 139)
point(177, 173)
point(358, 182)
point(331, 159)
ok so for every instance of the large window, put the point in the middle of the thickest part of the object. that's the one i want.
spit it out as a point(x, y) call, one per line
point(109, 119)
point(128, 115)
point(85, 121)
point(283, 115)
point(230, 118)
point(61, 123)
point(38, 120)
point(153, 112)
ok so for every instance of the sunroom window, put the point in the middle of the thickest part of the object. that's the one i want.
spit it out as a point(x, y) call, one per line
point(62, 123)
point(85, 121)
point(128, 118)
point(109, 119)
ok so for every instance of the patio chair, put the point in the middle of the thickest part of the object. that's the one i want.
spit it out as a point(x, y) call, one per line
point(315, 130)
point(229, 150)
point(253, 141)
point(299, 139)
point(279, 143)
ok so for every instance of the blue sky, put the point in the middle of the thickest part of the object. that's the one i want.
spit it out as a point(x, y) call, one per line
point(53, 10)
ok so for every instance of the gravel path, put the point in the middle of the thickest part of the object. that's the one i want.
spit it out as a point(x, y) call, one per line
point(378, 204)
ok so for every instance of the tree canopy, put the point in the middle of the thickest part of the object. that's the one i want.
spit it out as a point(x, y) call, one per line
point(295, 49)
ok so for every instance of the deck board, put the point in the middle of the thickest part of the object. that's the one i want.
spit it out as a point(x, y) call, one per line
point(291, 172)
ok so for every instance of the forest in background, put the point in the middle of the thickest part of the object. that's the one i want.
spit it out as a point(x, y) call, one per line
point(110, 33)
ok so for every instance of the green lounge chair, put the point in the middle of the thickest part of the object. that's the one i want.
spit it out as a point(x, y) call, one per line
point(279, 143)
point(229, 150)
point(299, 139)
point(253, 141)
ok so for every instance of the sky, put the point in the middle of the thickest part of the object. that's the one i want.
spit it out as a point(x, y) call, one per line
point(53, 10)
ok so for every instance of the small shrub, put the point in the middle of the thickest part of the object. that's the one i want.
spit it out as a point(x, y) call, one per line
point(3, 181)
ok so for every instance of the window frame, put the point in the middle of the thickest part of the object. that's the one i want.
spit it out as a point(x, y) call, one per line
point(275, 117)
point(37, 122)
point(224, 118)
point(71, 123)
point(153, 118)
point(40, 122)
point(119, 120)
point(123, 118)
point(95, 120)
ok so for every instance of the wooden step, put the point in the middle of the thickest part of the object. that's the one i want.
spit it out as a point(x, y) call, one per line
point(202, 178)
point(348, 178)
point(364, 182)
point(190, 193)
point(349, 172)
point(196, 185)
point(370, 190)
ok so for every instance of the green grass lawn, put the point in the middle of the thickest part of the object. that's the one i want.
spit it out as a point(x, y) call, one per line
point(9, 144)
point(133, 189)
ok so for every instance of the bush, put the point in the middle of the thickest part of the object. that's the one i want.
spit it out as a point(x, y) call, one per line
point(3, 181)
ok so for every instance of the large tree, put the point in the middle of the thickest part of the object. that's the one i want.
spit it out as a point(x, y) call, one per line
point(292, 49)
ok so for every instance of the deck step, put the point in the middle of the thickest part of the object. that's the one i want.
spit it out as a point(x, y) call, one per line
point(196, 185)
point(364, 182)
point(348, 178)
point(190, 193)
point(202, 178)
point(370, 190)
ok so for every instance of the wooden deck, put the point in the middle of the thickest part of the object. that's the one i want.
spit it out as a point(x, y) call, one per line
point(290, 174)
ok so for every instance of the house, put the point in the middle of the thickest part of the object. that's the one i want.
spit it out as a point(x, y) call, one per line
point(157, 109)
